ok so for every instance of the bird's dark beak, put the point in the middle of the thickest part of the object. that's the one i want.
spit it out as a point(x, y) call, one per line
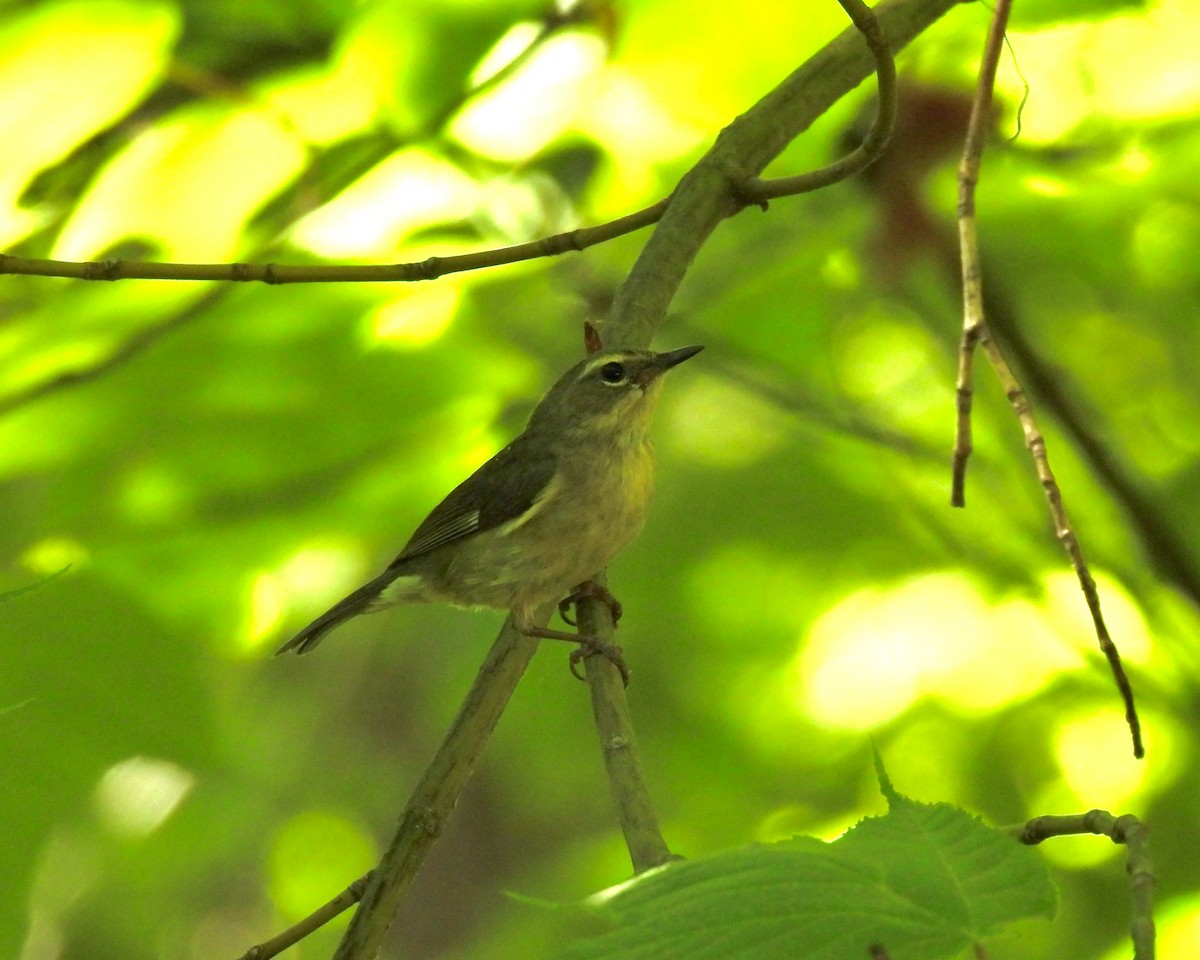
point(664, 362)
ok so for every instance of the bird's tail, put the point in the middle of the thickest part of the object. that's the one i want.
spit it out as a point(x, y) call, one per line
point(362, 600)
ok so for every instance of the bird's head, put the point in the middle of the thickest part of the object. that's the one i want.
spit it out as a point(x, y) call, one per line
point(611, 393)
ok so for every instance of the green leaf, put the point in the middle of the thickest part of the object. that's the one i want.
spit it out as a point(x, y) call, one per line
point(925, 881)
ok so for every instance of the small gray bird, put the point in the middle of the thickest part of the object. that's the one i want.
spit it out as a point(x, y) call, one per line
point(542, 517)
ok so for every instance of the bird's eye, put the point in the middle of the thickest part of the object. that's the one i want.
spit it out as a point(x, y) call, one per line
point(612, 372)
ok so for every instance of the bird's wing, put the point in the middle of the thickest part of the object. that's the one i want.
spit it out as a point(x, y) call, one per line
point(502, 491)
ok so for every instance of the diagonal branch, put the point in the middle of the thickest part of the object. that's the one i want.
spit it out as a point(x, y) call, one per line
point(437, 792)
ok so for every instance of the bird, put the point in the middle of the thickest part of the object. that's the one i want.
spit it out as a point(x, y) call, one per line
point(542, 517)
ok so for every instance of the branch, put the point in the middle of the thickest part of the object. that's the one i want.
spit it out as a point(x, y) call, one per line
point(1127, 830)
point(975, 332)
point(437, 792)
point(904, 20)
point(278, 273)
point(974, 326)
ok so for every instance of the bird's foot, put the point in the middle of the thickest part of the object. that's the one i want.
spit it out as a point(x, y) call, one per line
point(594, 646)
point(589, 646)
point(590, 589)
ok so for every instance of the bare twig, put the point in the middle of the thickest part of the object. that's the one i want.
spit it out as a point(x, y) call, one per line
point(1163, 541)
point(145, 338)
point(314, 921)
point(1127, 830)
point(975, 332)
point(710, 191)
point(974, 328)
point(137, 343)
point(277, 273)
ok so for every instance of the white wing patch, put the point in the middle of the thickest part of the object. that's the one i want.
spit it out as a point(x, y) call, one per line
point(548, 493)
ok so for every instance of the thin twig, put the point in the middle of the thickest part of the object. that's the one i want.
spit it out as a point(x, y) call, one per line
point(1127, 830)
point(279, 273)
point(1065, 533)
point(975, 332)
point(974, 328)
point(710, 191)
point(756, 190)
point(314, 921)
point(140, 341)
point(429, 269)
point(1163, 541)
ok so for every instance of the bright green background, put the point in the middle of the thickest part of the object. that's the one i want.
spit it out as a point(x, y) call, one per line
point(170, 790)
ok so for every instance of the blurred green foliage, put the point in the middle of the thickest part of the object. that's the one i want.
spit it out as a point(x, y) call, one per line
point(170, 790)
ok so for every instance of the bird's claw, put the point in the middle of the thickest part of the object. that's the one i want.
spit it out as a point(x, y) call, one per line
point(594, 646)
point(590, 589)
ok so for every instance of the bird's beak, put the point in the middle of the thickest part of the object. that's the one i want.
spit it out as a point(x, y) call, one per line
point(664, 362)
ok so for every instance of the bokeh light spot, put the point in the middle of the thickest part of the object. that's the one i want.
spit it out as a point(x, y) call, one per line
point(52, 554)
point(749, 426)
point(534, 105)
point(68, 70)
point(876, 652)
point(409, 191)
point(308, 580)
point(151, 495)
point(1177, 929)
point(1099, 769)
point(135, 797)
point(314, 853)
point(417, 316)
point(184, 185)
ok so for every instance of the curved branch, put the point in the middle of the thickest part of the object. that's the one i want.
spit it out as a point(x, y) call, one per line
point(760, 191)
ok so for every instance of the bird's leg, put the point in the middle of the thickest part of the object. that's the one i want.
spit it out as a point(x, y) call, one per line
point(589, 646)
point(590, 589)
